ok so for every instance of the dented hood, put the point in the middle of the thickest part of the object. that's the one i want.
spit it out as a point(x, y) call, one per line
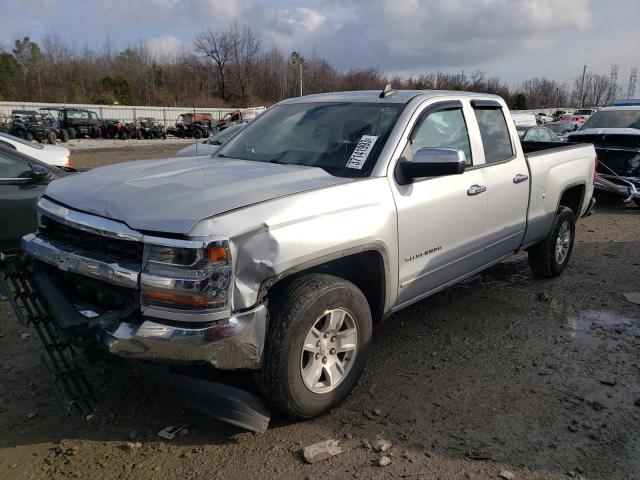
point(172, 195)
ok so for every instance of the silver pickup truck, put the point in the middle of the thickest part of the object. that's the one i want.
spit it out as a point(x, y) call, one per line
point(325, 215)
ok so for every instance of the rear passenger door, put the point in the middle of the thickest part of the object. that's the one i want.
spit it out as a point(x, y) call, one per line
point(507, 180)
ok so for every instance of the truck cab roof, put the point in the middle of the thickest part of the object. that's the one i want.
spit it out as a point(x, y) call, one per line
point(373, 96)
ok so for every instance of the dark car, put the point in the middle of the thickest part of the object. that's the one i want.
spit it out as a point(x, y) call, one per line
point(22, 180)
point(561, 128)
point(537, 134)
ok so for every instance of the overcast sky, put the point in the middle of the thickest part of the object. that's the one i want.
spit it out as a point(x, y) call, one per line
point(514, 39)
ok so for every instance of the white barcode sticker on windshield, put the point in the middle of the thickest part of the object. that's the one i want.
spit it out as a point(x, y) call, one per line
point(361, 152)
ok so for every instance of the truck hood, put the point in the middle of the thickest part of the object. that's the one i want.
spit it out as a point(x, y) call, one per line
point(606, 131)
point(172, 195)
point(628, 138)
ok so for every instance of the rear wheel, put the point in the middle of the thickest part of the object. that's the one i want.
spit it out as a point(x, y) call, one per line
point(72, 133)
point(637, 201)
point(28, 136)
point(317, 344)
point(64, 136)
point(51, 138)
point(197, 133)
point(550, 257)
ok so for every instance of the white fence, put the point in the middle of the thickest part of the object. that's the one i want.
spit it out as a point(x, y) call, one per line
point(167, 115)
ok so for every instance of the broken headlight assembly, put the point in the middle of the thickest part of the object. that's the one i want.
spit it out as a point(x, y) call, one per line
point(186, 276)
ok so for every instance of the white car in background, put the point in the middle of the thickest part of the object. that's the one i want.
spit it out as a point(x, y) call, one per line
point(524, 119)
point(56, 155)
point(211, 145)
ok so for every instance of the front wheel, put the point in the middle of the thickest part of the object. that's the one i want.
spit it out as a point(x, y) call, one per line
point(28, 136)
point(550, 257)
point(317, 345)
point(64, 136)
point(51, 138)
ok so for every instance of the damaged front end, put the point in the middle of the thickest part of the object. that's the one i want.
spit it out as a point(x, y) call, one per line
point(105, 289)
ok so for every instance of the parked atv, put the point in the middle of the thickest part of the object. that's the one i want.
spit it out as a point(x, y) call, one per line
point(151, 128)
point(30, 125)
point(78, 123)
point(192, 125)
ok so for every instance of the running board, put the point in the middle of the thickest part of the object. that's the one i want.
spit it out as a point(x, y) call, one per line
point(60, 358)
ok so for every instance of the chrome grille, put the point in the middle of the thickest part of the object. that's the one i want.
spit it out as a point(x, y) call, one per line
point(121, 251)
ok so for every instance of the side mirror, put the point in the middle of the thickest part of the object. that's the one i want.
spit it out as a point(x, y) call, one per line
point(39, 173)
point(431, 162)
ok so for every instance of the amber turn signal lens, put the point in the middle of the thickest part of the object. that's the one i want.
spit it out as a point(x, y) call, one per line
point(217, 254)
point(184, 299)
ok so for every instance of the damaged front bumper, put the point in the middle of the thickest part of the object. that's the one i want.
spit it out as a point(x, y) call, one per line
point(236, 343)
point(229, 343)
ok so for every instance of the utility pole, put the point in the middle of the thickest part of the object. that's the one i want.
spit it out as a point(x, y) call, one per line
point(298, 59)
point(584, 74)
point(631, 91)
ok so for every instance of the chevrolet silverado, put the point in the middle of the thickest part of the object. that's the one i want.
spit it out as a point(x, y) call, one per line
point(323, 216)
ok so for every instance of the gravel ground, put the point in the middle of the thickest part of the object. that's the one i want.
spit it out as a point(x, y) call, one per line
point(89, 153)
point(504, 373)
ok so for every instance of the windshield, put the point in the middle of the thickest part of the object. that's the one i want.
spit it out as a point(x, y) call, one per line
point(614, 119)
point(79, 114)
point(226, 134)
point(344, 139)
point(20, 140)
point(584, 112)
point(560, 128)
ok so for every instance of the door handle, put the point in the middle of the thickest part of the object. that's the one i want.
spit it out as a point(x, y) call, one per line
point(476, 190)
point(519, 178)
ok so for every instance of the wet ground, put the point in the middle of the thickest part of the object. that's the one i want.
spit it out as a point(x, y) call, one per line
point(503, 372)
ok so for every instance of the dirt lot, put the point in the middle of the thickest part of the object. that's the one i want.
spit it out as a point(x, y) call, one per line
point(94, 153)
point(503, 372)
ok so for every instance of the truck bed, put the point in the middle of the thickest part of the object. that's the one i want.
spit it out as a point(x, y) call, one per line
point(570, 164)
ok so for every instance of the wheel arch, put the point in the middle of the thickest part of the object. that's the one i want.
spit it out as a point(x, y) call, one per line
point(367, 267)
point(572, 196)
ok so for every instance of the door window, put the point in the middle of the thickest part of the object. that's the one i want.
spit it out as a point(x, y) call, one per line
point(533, 135)
point(496, 140)
point(544, 135)
point(12, 168)
point(442, 129)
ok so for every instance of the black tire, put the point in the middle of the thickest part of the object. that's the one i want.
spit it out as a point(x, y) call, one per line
point(28, 136)
point(64, 135)
point(72, 133)
point(542, 257)
point(637, 201)
point(292, 313)
point(197, 133)
point(164, 135)
point(51, 138)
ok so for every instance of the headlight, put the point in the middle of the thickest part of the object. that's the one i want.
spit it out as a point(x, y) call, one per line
point(185, 278)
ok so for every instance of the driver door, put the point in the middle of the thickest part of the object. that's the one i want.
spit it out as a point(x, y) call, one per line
point(441, 220)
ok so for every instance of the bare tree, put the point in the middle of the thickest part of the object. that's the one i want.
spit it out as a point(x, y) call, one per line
point(219, 47)
point(245, 48)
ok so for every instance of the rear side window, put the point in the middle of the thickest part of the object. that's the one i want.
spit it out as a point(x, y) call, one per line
point(496, 140)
